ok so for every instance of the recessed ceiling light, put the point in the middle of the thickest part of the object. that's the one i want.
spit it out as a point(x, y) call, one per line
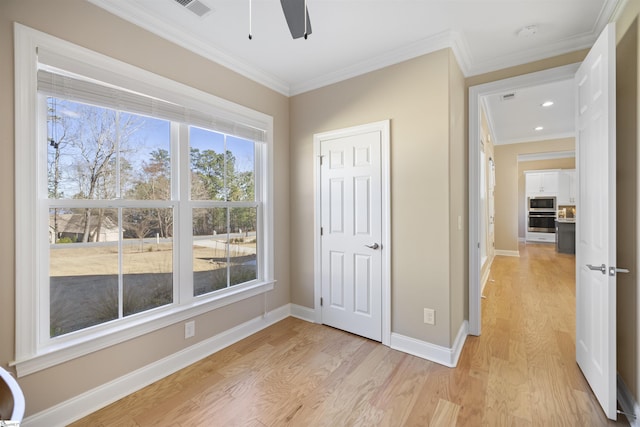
point(547, 103)
point(538, 128)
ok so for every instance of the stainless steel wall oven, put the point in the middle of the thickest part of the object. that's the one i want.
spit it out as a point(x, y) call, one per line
point(542, 222)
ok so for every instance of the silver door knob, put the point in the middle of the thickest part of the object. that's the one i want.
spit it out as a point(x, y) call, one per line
point(374, 246)
point(601, 268)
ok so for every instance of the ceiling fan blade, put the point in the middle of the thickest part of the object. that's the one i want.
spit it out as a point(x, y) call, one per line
point(293, 13)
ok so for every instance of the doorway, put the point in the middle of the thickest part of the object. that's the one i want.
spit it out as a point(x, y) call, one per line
point(352, 222)
point(476, 95)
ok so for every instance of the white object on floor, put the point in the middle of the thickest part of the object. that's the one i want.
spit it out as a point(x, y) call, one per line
point(15, 394)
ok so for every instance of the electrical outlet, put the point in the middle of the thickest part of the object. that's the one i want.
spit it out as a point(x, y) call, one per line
point(189, 329)
point(429, 316)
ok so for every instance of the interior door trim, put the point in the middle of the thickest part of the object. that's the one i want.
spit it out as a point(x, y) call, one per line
point(476, 94)
point(384, 127)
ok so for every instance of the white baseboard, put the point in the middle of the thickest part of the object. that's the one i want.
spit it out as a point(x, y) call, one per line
point(86, 403)
point(628, 403)
point(507, 253)
point(92, 400)
point(435, 353)
point(303, 313)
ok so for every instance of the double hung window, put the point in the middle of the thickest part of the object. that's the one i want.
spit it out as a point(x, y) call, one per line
point(149, 200)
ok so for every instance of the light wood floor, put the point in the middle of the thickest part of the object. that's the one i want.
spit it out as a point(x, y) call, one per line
point(520, 372)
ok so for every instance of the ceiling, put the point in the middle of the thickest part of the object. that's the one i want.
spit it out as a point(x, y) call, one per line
point(352, 37)
point(517, 115)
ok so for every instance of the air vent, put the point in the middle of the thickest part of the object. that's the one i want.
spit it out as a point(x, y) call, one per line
point(508, 96)
point(195, 6)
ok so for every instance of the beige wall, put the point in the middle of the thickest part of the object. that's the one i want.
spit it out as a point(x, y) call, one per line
point(508, 182)
point(421, 97)
point(82, 23)
point(458, 200)
point(628, 109)
point(563, 163)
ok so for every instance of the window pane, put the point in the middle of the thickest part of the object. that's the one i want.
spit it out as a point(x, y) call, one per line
point(242, 250)
point(145, 163)
point(83, 276)
point(147, 259)
point(210, 250)
point(81, 150)
point(92, 149)
point(207, 165)
point(240, 169)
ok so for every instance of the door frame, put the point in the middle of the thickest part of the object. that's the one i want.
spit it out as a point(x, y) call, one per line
point(385, 188)
point(476, 94)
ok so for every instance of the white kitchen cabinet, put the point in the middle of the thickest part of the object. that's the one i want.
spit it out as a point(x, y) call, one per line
point(567, 187)
point(539, 183)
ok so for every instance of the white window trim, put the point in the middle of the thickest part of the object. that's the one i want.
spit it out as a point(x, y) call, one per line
point(30, 357)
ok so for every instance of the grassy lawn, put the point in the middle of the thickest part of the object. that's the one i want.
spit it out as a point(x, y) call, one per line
point(67, 260)
point(84, 279)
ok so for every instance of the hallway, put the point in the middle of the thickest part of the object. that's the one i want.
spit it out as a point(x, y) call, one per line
point(526, 354)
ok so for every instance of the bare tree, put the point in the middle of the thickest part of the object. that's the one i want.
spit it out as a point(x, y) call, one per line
point(58, 134)
point(139, 222)
point(99, 136)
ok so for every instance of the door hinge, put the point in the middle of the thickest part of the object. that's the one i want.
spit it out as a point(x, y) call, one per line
point(321, 231)
point(321, 157)
point(321, 301)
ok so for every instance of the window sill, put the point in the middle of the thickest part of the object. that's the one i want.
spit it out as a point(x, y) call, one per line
point(63, 352)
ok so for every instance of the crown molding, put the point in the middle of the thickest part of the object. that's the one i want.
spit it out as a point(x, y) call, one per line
point(523, 57)
point(135, 14)
point(546, 156)
point(610, 12)
point(524, 140)
point(462, 52)
point(439, 41)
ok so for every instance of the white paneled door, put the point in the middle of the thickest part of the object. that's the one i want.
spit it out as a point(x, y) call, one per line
point(596, 221)
point(351, 231)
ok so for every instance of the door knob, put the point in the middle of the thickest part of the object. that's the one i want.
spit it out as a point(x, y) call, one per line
point(374, 246)
point(601, 268)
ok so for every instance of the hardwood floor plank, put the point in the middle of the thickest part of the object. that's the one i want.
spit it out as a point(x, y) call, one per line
point(400, 394)
point(435, 388)
point(446, 414)
point(308, 409)
point(520, 372)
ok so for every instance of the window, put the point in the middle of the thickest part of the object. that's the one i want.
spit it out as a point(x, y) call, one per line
point(106, 261)
point(223, 210)
point(151, 202)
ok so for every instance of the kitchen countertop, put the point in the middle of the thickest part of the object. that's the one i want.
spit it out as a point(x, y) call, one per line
point(566, 220)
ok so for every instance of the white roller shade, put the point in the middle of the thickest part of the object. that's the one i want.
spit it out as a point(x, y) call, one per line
point(85, 90)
